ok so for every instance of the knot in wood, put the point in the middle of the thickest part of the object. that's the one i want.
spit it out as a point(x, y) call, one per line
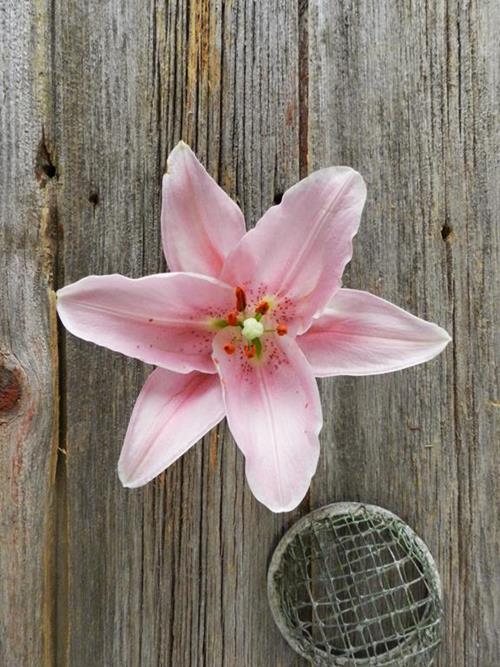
point(10, 389)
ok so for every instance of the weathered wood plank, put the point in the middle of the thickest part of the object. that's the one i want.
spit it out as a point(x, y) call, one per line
point(28, 341)
point(173, 574)
point(408, 94)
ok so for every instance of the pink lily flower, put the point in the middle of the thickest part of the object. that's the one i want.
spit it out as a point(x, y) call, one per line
point(243, 324)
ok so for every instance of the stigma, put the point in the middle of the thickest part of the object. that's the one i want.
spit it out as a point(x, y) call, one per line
point(252, 328)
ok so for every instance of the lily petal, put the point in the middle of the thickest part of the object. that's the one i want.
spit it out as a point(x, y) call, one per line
point(200, 223)
point(171, 414)
point(274, 413)
point(361, 334)
point(298, 250)
point(163, 319)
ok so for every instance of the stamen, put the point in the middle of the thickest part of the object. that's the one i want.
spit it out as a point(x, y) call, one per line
point(219, 324)
point(229, 348)
point(262, 308)
point(232, 318)
point(249, 351)
point(282, 329)
point(241, 299)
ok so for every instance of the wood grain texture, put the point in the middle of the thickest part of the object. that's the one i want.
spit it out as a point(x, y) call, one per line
point(93, 97)
point(172, 574)
point(408, 94)
point(28, 341)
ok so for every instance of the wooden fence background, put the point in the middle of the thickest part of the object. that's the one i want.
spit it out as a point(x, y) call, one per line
point(93, 95)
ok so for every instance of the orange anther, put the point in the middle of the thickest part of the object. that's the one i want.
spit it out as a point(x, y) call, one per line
point(282, 329)
point(229, 348)
point(249, 351)
point(232, 318)
point(241, 299)
point(262, 308)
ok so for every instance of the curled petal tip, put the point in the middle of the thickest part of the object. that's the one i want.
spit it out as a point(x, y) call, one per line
point(126, 483)
point(126, 480)
point(281, 509)
point(441, 335)
point(180, 146)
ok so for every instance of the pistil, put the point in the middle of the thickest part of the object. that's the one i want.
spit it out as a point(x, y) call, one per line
point(252, 329)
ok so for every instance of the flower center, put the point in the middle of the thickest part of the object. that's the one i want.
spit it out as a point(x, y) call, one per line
point(252, 328)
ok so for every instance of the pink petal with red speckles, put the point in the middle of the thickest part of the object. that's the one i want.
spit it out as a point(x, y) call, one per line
point(162, 319)
point(200, 223)
point(361, 334)
point(171, 414)
point(274, 414)
point(299, 249)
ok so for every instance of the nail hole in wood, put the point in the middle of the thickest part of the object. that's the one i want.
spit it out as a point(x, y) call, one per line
point(49, 170)
point(45, 168)
point(94, 198)
point(277, 198)
point(446, 232)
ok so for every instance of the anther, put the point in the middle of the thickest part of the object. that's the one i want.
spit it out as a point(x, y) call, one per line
point(241, 299)
point(229, 348)
point(282, 329)
point(232, 318)
point(249, 351)
point(262, 308)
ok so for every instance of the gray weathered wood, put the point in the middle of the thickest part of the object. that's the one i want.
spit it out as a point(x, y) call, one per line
point(408, 94)
point(28, 342)
point(172, 574)
point(93, 96)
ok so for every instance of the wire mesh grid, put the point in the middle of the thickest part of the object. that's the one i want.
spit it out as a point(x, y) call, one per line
point(352, 584)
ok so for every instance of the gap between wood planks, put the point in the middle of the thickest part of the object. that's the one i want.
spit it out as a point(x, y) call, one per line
point(55, 580)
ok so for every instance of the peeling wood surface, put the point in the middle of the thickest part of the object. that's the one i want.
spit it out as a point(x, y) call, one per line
point(93, 96)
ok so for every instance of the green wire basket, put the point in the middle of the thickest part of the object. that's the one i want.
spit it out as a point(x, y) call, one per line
point(353, 585)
